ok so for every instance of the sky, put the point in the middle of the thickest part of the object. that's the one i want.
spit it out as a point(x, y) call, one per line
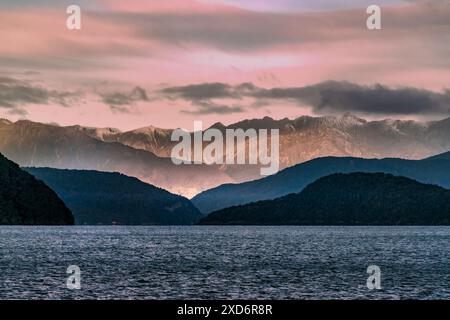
point(168, 63)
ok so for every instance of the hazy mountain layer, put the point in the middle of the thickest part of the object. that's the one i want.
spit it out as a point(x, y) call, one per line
point(39, 145)
point(306, 138)
point(294, 179)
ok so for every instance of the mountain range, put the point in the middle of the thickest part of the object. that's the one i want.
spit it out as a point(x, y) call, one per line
point(347, 199)
point(306, 138)
point(144, 153)
point(435, 170)
point(33, 144)
point(24, 200)
point(105, 198)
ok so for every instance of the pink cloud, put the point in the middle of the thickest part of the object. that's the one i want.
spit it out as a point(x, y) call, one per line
point(146, 43)
point(174, 6)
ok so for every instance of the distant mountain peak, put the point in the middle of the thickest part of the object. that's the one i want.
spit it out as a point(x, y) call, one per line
point(26, 121)
point(218, 125)
point(5, 121)
point(107, 129)
point(353, 119)
point(261, 123)
point(97, 133)
point(151, 130)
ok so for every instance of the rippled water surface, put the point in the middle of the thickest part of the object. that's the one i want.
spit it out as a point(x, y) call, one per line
point(224, 262)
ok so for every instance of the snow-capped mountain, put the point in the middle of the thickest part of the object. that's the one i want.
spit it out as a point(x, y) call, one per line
point(144, 152)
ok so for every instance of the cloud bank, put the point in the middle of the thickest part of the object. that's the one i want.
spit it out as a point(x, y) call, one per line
point(16, 94)
point(331, 97)
point(120, 101)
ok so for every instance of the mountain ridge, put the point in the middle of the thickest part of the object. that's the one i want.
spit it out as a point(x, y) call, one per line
point(346, 199)
point(107, 198)
point(144, 152)
point(39, 145)
point(295, 178)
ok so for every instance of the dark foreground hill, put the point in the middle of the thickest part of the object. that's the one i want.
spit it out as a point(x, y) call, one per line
point(32, 144)
point(347, 199)
point(24, 200)
point(294, 179)
point(112, 198)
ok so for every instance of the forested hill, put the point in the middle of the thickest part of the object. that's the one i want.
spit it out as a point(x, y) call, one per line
point(24, 200)
point(294, 179)
point(107, 198)
point(347, 199)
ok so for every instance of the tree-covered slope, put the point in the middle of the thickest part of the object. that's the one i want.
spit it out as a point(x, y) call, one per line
point(347, 199)
point(112, 198)
point(294, 179)
point(24, 200)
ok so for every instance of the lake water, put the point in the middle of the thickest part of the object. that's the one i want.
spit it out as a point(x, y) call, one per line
point(225, 262)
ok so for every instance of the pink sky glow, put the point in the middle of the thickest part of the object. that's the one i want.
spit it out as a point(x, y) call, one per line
point(92, 76)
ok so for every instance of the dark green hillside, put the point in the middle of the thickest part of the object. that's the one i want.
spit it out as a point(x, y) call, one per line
point(112, 198)
point(24, 200)
point(294, 179)
point(347, 199)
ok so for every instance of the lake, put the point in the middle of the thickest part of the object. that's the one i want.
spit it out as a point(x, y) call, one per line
point(201, 262)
